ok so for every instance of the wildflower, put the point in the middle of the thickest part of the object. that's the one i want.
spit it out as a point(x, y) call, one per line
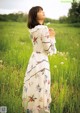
point(62, 63)
point(74, 58)
point(22, 43)
point(55, 66)
point(1, 61)
point(61, 53)
point(67, 53)
point(77, 45)
point(65, 58)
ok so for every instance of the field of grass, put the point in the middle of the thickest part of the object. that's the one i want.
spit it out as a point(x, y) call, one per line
point(15, 51)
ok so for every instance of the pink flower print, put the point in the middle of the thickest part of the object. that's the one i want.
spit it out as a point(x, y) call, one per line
point(35, 40)
point(48, 81)
point(32, 98)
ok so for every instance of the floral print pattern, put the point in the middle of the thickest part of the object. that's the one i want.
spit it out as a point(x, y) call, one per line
point(36, 95)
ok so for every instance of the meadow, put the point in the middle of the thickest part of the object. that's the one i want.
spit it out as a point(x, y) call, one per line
point(15, 51)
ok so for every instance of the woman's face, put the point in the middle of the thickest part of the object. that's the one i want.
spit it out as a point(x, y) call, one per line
point(40, 15)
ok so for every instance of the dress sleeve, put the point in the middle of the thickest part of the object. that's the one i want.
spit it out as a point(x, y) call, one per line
point(47, 42)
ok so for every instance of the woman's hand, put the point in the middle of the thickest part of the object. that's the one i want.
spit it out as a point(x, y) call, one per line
point(51, 32)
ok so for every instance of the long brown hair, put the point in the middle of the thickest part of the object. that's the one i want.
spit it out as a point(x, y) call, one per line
point(32, 16)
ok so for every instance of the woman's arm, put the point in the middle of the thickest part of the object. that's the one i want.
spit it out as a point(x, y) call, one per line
point(48, 43)
point(51, 33)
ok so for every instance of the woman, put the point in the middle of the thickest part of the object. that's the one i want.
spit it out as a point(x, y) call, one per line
point(36, 97)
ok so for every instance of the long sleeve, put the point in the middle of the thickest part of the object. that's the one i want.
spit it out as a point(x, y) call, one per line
point(47, 42)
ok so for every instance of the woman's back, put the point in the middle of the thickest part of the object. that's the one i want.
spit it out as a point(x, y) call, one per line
point(41, 40)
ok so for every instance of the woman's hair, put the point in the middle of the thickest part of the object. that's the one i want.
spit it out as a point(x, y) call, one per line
point(32, 17)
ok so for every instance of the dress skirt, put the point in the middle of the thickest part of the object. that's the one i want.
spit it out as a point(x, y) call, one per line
point(36, 97)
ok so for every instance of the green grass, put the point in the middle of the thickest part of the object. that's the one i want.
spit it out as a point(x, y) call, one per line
point(15, 51)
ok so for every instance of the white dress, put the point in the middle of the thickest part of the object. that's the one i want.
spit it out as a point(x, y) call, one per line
point(36, 97)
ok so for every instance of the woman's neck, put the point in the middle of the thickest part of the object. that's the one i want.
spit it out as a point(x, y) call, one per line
point(41, 21)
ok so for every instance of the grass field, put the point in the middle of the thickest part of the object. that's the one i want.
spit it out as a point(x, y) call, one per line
point(15, 51)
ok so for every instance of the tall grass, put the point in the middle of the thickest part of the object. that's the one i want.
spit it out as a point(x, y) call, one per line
point(15, 51)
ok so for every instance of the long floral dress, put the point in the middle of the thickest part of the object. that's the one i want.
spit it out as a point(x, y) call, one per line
point(36, 97)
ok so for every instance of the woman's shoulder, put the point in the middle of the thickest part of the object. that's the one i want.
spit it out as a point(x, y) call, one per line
point(38, 27)
point(41, 26)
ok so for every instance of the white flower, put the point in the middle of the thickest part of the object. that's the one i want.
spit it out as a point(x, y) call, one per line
point(62, 63)
point(74, 58)
point(77, 45)
point(67, 53)
point(55, 66)
point(61, 53)
point(1, 61)
point(65, 58)
point(22, 43)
